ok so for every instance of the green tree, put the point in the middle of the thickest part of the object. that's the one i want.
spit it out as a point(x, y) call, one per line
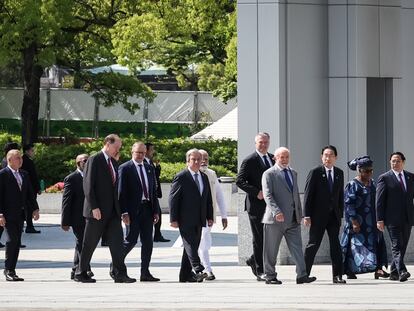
point(38, 33)
point(194, 39)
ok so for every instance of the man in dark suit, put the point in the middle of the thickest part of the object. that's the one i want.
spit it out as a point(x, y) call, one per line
point(29, 166)
point(249, 179)
point(72, 208)
point(323, 210)
point(191, 208)
point(15, 194)
point(139, 206)
point(394, 204)
point(102, 212)
point(157, 167)
point(7, 147)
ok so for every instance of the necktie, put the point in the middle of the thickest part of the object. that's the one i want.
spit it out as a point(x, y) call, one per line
point(111, 171)
point(267, 164)
point(143, 184)
point(288, 181)
point(330, 181)
point(401, 182)
point(197, 182)
point(18, 179)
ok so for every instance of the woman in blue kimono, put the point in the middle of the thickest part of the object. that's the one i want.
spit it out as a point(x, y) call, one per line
point(363, 246)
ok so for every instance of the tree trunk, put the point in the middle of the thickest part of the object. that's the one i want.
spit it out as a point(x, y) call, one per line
point(30, 109)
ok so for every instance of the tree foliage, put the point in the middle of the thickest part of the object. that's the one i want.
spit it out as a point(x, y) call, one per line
point(194, 39)
point(74, 34)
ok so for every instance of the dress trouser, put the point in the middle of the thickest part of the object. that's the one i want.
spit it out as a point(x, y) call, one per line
point(399, 236)
point(157, 226)
point(14, 234)
point(141, 226)
point(205, 245)
point(316, 233)
point(112, 229)
point(190, 260)
point(273, 234)
point(257, 239)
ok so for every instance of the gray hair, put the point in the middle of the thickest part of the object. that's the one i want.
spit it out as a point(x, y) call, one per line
point(189, 152)
point(261, 134)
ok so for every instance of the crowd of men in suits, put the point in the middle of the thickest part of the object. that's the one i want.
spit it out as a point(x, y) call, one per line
point(100, 194)
point(274, 210)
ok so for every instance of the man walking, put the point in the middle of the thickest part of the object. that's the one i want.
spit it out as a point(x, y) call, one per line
point(102, 212)
point(324, 207)
point(282, 218)
point(16, 194)
point(139, 206)
point(394, 203)
point(249, 179)
point(72, 209)
point(191, 208)
point(218, 202)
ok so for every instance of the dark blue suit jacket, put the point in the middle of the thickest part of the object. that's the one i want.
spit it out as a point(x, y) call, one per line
point(12, 199)
point(130, 189)
point(187, 206)
point(395, 206)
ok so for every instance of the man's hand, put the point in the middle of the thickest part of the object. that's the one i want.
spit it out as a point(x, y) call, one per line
point(280, 217)
point(96, 213)
point(210, 222)
point(380, 226)
point(224, 223)
point(155, 219)
point(307, 221)
point(174, 224)
point(260, 195)
point(125, 219)
point(2, 221)
point(35, 215)
point(65, 228)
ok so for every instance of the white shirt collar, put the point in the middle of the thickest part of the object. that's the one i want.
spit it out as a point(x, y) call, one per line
point(136, 163)
point(106, 156)
point(192, 172)
point(398, 173)
point(13, 171)
point(262, 154)
point(80, 172)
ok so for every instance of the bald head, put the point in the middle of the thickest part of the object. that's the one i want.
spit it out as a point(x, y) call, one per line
point(81, 160)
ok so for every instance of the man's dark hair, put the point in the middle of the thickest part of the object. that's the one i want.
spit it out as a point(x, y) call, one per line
point(398, 153)
point(10, 146)
point(148, 145)
point(330, 147)
point(27, 147)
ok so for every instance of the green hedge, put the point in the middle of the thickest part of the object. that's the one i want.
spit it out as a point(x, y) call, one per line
point(54, 162)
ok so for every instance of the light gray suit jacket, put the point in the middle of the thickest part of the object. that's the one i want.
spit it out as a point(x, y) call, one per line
point(278, 197)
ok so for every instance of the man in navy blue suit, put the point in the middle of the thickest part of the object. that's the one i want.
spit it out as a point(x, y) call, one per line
point(395, 209)
point(139, 206)
point(16, 194)
point(191, 208)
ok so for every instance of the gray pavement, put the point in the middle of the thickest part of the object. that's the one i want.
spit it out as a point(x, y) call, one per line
point(45, 265)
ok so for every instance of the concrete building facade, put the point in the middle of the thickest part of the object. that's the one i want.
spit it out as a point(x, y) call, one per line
point(313, 72)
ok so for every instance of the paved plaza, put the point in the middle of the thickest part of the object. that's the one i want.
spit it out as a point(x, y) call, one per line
point(45, 265)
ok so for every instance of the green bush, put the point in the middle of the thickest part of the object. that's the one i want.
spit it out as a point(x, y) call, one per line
point(54, 162)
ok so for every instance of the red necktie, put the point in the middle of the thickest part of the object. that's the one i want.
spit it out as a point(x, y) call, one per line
point(111, 171)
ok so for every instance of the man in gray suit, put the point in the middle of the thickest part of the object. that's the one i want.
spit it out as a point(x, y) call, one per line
point(282, 218)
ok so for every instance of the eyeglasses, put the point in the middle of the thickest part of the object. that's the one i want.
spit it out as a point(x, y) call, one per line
point(83, 161)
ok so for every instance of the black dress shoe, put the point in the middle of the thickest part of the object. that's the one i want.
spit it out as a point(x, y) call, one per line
point(148, 278)
point(22, 246)
point(404, 276)
point(2, 245)
point(200, 276)
point(72, 275)
point(351, 276)
point(11, 276)
point(273, 281)
point(124, 279)
point(83, 278)
point(305, 279)
point(161, 239)
point(383, 274)
point(90, 273)
point(394, 277)
point(338, 280)
point(190, 279)
point(32, 230)
point(252, 265)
